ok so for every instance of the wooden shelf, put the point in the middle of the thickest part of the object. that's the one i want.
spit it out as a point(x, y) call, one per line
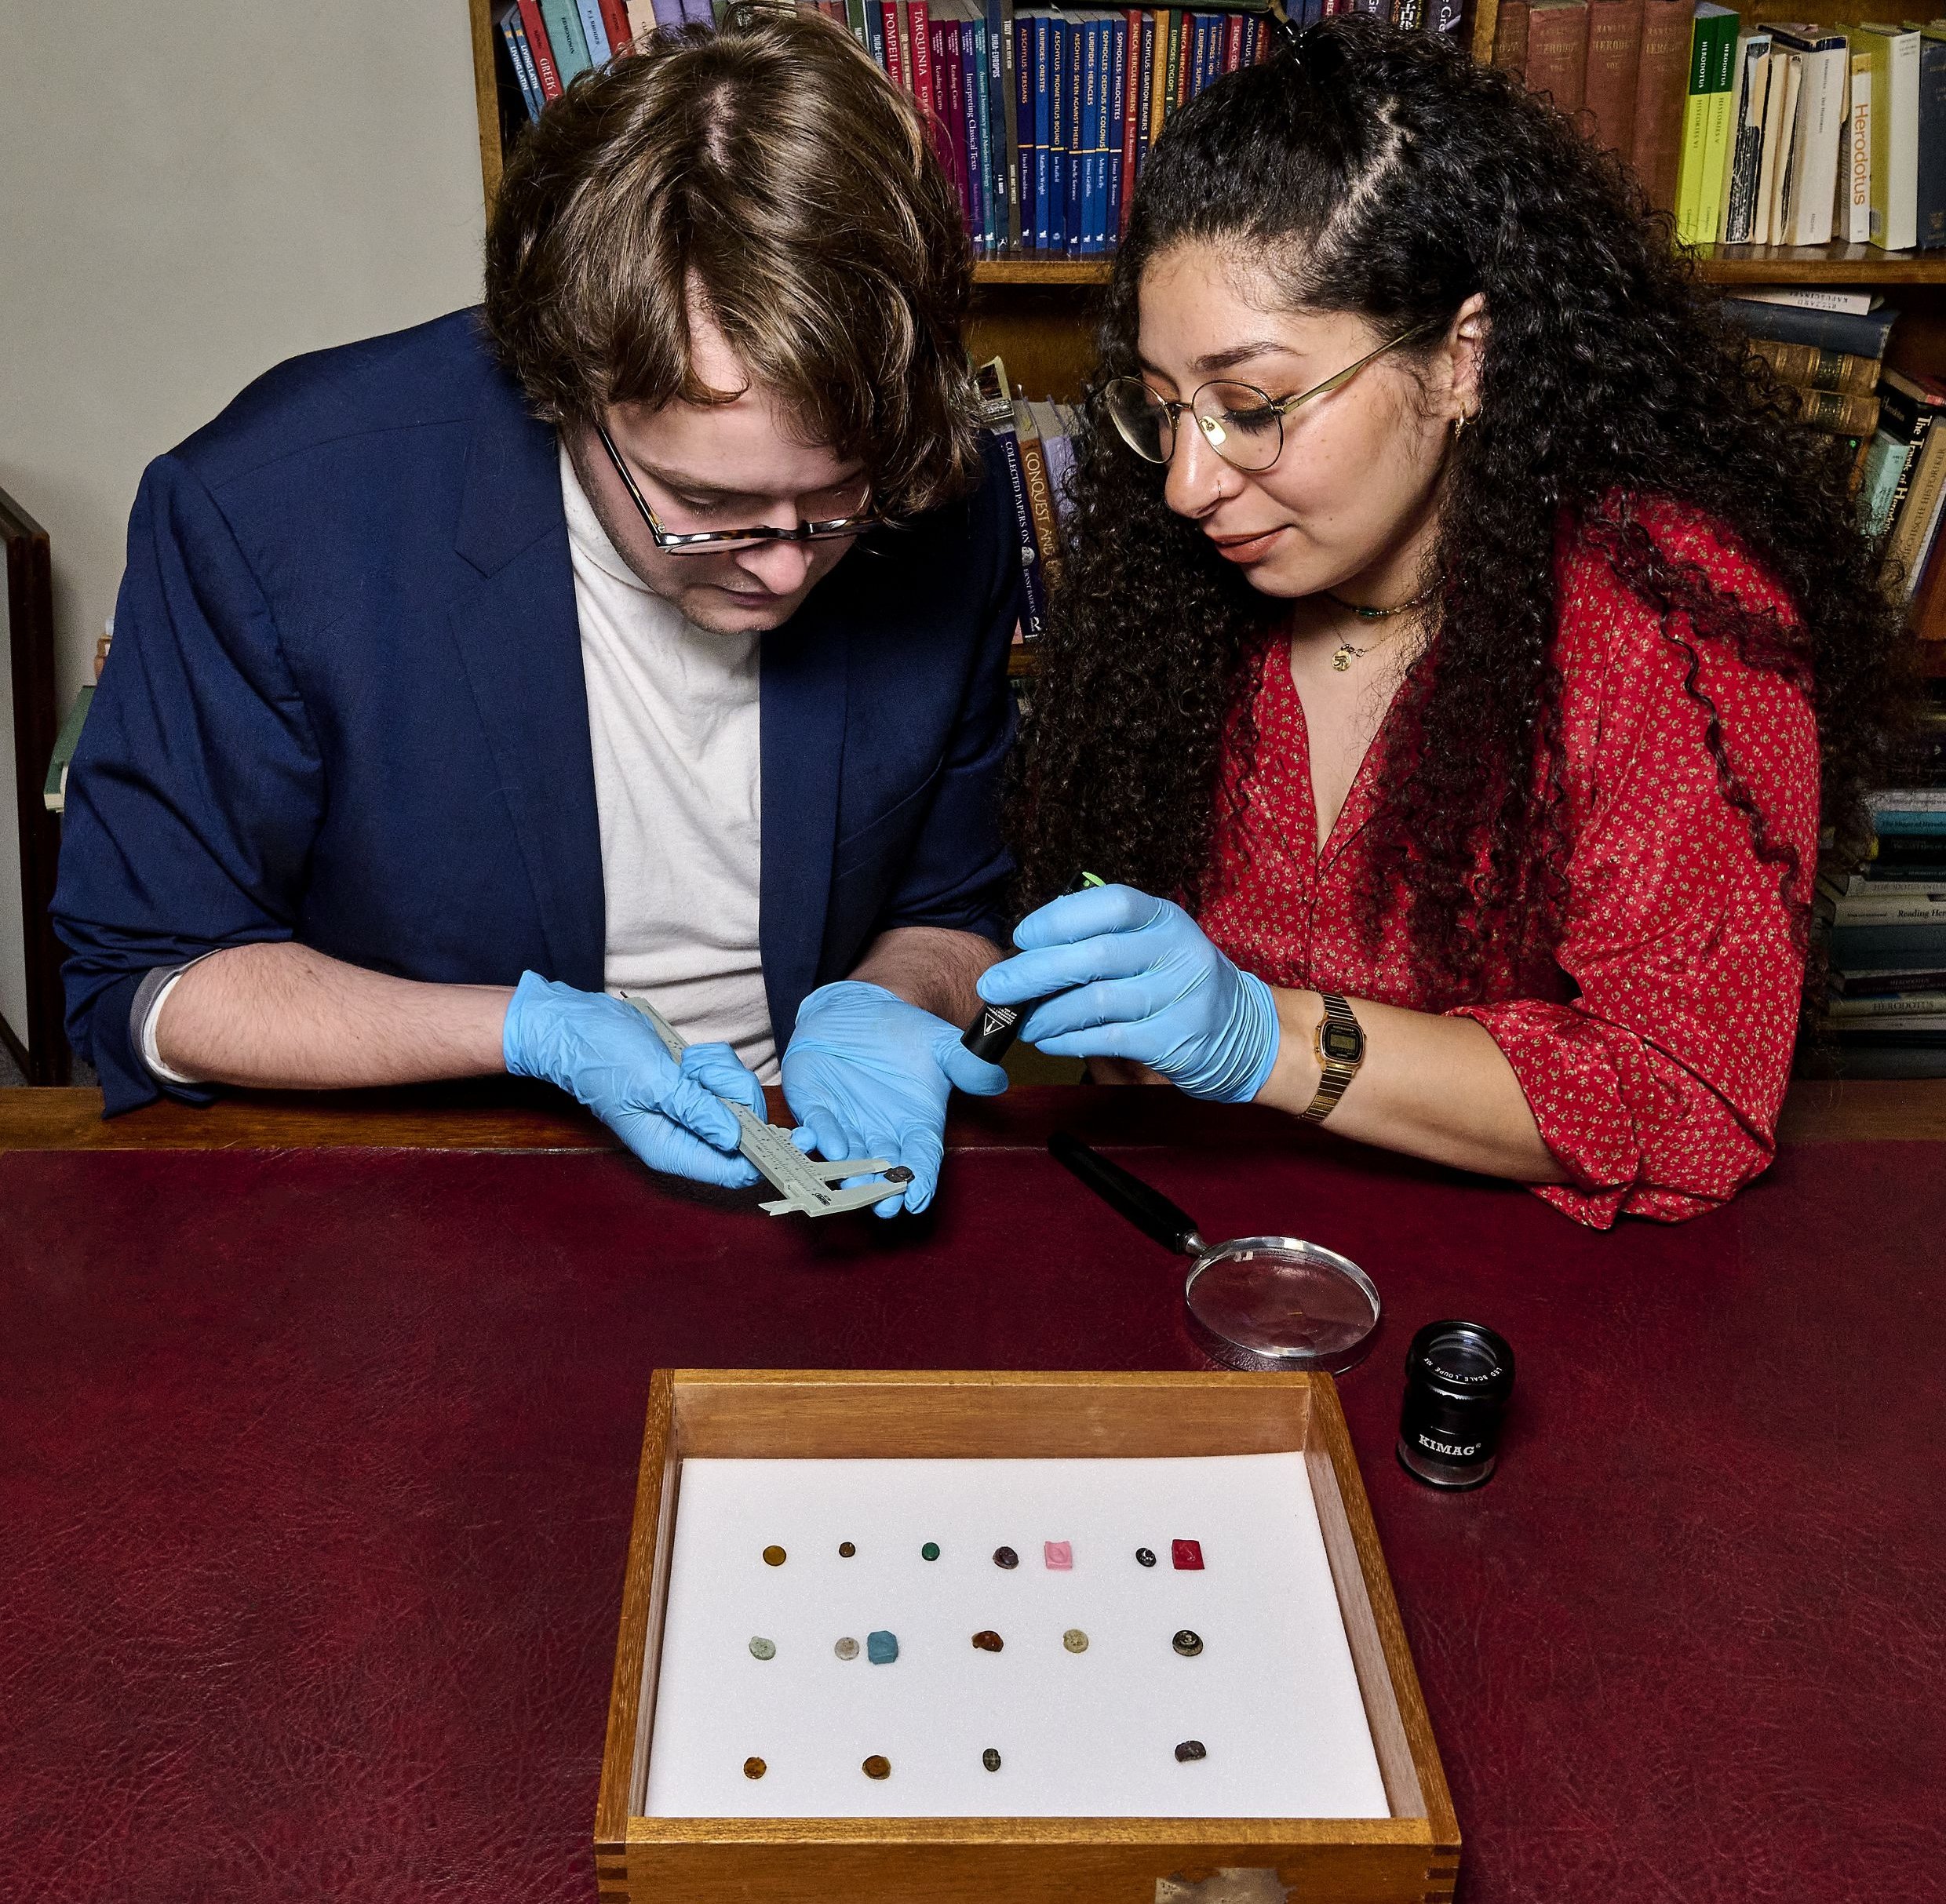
point(1042, 270)
point(1864, 264)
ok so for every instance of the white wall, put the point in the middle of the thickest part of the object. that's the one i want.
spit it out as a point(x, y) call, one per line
point(190, 191)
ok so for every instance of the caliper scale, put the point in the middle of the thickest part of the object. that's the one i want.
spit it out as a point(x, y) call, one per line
point(806, 1184)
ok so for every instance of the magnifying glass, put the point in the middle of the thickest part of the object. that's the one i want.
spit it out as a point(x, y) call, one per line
point(1257, 1303)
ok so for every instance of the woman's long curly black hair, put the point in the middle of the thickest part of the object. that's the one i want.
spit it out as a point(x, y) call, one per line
point(1385, 173)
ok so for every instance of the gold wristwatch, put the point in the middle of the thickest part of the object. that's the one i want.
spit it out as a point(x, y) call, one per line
point(1339, 1043)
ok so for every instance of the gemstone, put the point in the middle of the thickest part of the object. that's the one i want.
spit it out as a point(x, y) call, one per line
point(990, 1759)
point(847, 1648)
point(881, 1648)
point(763, 1649)
point(1144, 1557)
point(878, 1767)
point(897, 1173)
point(1186, 1555)
point(987, 1640)
point(1005, 1557)
point(1059, 1554)
point(773, 1556)
point(1075, 1641)
point(1191, 1749)
point(845, 1550)
point(754, 1768)
point(930, 1551)
point(1187, 1643)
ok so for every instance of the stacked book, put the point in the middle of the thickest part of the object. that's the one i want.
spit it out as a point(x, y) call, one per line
point(1886, 1009)
point(1778, 133)
point(1042, 116)
point(1033, 444)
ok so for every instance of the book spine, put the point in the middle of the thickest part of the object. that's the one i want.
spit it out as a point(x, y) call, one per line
point(1172, 82)
point(1720, 106)
point(1003, 133)
point(1661, 92)
point(514, 40)
point(915, 34)
point(1857, 193)
point(1612, 67)
point(1102, 125)
point(594, 32)
point(1836, 412)
point(1058, 48)
point(1047, 91)
point(1746, 162)
point(1024, 133)
point(986, 84)
point(1074, 62)
point(1864, 337)
point(973, 107)
point(1233, 41)
point(1040, 498)
point(1005, 448)
point(1148, 105)
point(564, 35)
point(616, 25)
point(1122, 131)
point(1895, 228)
point(1509, 38)
point(1557, 54)
point(875, 36)
point(892, 57)
point(542, 49)
point(1929, 178)
point(1812, 369)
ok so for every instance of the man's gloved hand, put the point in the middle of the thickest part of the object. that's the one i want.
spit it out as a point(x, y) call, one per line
point(603, 1052)
point(1133, 977)
point(867, 1075)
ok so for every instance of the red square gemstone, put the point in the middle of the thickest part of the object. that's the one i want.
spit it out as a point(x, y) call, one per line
point(1187, 1555)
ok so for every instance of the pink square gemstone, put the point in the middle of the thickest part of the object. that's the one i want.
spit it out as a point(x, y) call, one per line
point(1187, 1556)
point(1060, 1555)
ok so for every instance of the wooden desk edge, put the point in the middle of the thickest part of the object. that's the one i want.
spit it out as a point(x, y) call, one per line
point(1856, 1110)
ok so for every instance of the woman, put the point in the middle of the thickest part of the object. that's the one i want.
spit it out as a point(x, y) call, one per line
point(1453, 623)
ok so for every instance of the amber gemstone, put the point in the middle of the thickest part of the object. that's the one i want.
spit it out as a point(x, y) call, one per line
point(878, 1767)
point(773, 1556)
point(847, 1649)
point(1075, 1641)
point(1191, 1749)
point(1005, 1557)
point(987, 1640)
point(845, 1550)
point(1144, 1557)
point(754, 1768)
point(1187, 1643)
point(990, 1759)
point(764, 1649)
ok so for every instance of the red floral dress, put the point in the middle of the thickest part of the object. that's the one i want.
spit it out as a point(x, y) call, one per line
point(1655, 1068)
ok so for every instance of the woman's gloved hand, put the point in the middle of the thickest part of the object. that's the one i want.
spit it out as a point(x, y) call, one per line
point(868, 1075)
point(604, 1054)
point(1133, 977)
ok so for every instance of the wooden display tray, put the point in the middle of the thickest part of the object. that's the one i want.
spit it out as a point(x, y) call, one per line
point(1408, 1858)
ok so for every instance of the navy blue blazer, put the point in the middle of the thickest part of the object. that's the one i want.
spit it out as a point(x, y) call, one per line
point(344, 706)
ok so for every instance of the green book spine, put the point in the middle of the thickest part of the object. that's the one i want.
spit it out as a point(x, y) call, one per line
point(54, 791)
point(1721, 113)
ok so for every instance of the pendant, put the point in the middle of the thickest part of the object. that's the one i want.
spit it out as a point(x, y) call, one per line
point(1341, 658)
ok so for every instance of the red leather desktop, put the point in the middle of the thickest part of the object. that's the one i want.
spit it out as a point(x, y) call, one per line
point(316, 1468)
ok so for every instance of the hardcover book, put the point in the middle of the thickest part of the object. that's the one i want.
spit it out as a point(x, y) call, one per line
point(1661, 91)
point(1894, 57)
point(1612, 69)
point(1558, 51)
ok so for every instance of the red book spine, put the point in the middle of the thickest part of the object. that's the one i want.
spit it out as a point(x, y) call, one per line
point(614, 18)
point(538, 46)
point(921, 36)
point(1615, 29)
point(1662, 88)
point(1186, 63)
point(1132, 103)
point(894, 63)
point(949, 99)
point(1233, 43)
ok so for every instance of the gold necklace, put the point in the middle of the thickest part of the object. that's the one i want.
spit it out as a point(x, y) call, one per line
point(1341, 657)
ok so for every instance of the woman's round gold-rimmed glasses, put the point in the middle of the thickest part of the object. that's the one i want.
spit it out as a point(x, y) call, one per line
point(1243, 424)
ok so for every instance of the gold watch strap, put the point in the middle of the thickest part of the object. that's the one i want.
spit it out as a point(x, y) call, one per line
point(1336, 1074)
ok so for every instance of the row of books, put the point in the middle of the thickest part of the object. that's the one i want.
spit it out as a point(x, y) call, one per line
point(1033, 443)
point(1781, 133)
point(1044, 115)
point(1885, 1009)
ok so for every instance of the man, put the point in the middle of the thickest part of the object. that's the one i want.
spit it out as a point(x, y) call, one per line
point(647, 633)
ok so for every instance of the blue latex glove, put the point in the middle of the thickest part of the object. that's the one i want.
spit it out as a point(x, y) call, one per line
point(1133, 977)
point(603, 1052)
point(868, 1076)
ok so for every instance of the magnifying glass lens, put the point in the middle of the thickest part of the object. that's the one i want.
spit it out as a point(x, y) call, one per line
point(1287, 1303)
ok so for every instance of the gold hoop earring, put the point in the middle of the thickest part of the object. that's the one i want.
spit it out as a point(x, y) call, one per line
point(1459, 424)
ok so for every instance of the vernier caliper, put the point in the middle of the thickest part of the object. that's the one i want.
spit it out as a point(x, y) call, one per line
point(807, 1185)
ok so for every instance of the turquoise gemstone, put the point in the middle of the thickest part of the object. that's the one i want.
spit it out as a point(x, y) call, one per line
point(881, 1648)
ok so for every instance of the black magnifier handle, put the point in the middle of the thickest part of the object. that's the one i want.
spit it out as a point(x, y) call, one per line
point(1148, 1209)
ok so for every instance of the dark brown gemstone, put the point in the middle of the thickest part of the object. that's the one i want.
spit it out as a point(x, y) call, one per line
point(754, 1768)
point(987, 1640)
point(773, 1556)
point(1191, 1749)
point(1187, 1643)
point(1144, 1557)
point(845, 1550)
point(1005, 1557)
point(990, 1759)
point(877, 1767)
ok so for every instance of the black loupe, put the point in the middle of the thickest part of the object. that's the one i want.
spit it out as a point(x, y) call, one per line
point(1458, 1377)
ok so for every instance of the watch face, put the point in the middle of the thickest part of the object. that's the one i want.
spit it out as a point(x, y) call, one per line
point(1343, 1044)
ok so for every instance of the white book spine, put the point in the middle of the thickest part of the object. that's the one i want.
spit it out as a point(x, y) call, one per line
point(1902, 182)
point(1778, 164)
point(1821, 117)
point(1853, 303)
point(1855, 176)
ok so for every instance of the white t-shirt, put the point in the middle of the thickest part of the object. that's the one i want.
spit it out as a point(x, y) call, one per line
point(674, 723)
point(673, 719)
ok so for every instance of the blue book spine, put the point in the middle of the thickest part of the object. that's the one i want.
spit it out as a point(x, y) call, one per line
point(595, 32)
point(1057, 135)
point(986, 49)
point(1098, 131)
point(1084, 144)
point(1024, 136)
point(1199, 53)
point(875, 34)
point(996, 46)
point(1072, 71)
point(1932, 144)
point(972, 100)
point(518, 51)
point(1252, 38)
point(1145, 89)
point(1117, 120)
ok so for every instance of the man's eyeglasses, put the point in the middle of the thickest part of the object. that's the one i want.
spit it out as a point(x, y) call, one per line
point(1243, 424)
point(719, 541)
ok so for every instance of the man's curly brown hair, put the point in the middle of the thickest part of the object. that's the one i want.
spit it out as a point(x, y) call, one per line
point(1385, 173)
point(771, 171)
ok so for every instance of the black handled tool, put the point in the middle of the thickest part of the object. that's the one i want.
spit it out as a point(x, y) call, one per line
point(991, 1036)
point(1146, 1207)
